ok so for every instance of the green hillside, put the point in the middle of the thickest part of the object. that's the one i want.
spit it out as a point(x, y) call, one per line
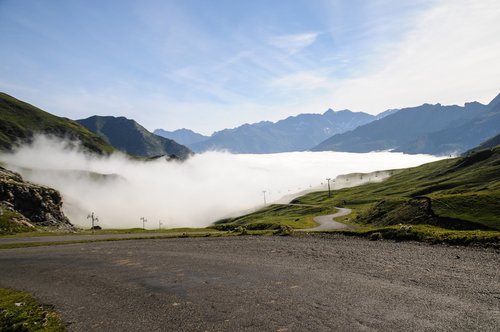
point(19, 121)
point(459, 194)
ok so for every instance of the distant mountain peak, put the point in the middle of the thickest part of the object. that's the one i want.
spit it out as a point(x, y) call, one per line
point(183, 136)
point(495, 101)
point(294, 133)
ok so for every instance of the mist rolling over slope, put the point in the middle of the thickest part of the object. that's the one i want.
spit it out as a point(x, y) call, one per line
point(193, 193)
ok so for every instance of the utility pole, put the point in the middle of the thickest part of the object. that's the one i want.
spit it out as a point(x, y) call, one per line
point(159, 224)
point(329, 191)
point(94, 220)
point(264, 192)
point(144, 220)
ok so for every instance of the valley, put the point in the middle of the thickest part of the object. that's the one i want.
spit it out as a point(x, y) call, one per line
point(249, 166)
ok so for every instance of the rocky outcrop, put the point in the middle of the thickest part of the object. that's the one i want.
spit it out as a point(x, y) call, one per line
point(31, 203)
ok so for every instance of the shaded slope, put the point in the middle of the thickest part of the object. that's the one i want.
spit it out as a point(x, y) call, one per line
point(130, 137)
point(488, 144)
point(20, 121)
point(397, 130)
point(460, 138)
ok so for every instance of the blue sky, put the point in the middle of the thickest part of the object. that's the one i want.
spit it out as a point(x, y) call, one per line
point(208, 65)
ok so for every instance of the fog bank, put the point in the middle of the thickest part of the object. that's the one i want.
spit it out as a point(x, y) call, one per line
point(195, 193)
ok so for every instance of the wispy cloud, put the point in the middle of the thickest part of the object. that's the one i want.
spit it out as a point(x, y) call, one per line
point(294, 43)
point(301, 81)
point(450, 56)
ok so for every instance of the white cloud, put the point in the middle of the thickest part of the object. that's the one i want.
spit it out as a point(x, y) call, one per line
point(450, 56)
point(296, 42)
point(301, 81)
point(197, 192)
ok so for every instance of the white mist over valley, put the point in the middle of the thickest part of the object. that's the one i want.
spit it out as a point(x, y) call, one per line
point(194, 193)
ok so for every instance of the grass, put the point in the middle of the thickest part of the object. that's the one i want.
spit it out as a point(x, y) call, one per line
point(19, 311)
point(452, 201)
point(8, 225)
point(430, 234)
point(272, 216)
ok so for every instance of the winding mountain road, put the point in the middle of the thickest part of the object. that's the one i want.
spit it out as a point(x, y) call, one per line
point(327, 222)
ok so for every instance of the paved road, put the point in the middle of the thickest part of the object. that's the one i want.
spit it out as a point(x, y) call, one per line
point(327, 222)
point(246, 283)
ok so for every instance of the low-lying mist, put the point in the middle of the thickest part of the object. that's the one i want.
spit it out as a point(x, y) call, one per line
point(194, 193)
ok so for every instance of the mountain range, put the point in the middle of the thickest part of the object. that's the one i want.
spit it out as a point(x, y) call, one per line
point(130, 137)
point(183, 136)
point(20, 122)
point(431, 129)
point(295, 133)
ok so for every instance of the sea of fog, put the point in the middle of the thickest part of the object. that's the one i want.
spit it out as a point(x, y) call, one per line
point(194, 193)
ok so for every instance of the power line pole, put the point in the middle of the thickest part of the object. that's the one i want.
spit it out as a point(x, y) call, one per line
point(329, 191)
point(264, 192)
point(159, 224)
point(94, 220)
point(144, 220)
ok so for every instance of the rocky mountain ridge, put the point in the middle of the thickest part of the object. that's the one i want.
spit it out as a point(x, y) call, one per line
point(132, 138)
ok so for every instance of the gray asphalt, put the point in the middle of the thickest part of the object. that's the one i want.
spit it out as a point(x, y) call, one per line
point(307, 283)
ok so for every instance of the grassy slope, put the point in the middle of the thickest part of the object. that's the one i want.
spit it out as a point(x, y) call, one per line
point(20, 120)
point(464, 194)
point(272, 216)
point(21, 312)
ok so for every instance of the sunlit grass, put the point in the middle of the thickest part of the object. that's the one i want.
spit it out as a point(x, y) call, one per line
point(19, 311)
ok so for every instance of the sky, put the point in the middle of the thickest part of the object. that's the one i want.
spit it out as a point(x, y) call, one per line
point(209, 65)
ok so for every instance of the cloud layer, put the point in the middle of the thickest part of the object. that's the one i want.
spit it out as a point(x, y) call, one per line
point(205, 188)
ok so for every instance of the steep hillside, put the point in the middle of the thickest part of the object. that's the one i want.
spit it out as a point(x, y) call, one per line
point(182, 136)
point(295, 133)
point(130, 137)
point(19, 121)
point(433, 129)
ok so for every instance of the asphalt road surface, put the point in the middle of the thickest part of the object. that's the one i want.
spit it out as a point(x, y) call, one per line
point(247, 283)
